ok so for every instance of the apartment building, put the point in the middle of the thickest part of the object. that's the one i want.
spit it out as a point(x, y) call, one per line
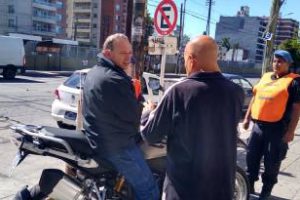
point(45, 18)
point(247, 32)
point(83, 21)
point(116, 17)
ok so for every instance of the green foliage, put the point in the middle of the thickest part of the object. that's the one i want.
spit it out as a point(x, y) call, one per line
point(292, 46)
point(226, 43)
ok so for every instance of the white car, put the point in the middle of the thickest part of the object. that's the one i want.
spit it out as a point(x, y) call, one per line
point(64, 106)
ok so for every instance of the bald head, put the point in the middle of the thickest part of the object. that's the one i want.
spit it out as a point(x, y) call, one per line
point(201, 54)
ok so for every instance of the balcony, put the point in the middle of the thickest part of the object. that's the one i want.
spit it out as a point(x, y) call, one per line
point(44, 18)
point(83, 30)
point(82, 1)
point(84, 20)
point(84, 40)
point(44, 5)
point(83, 9)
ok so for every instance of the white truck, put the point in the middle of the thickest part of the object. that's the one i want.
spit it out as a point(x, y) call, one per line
point(12, 56)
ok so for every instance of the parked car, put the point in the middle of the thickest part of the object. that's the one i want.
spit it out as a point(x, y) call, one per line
point(64, 107)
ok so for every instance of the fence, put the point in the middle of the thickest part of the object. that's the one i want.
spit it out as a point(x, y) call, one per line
point(68, 59)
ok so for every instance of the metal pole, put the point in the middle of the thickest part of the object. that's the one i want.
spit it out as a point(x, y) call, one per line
point(180, 26)
point(183, 18)
point(208, 17)
point(75, 28)
point(271, 29)
point(162, 67)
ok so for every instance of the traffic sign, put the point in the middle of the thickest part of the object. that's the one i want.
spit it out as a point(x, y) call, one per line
point(165, 17)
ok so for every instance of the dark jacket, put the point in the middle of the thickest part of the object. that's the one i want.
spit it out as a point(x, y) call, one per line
point(199, 115)
point(110, 109)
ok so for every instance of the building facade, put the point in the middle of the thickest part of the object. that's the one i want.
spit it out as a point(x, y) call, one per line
point(45, 18)
point(115, 18)
point(83, 21)
point(247, 32)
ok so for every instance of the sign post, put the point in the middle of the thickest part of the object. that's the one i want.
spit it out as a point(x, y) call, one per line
point(165, 20)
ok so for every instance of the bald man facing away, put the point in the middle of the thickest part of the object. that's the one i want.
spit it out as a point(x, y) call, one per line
point(199, 115)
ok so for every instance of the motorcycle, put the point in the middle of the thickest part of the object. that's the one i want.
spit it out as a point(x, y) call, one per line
point(93, 180)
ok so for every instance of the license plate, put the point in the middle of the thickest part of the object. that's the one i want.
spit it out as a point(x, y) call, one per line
point(70, 115)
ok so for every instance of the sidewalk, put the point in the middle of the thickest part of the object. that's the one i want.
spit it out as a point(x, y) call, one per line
point(288, 186)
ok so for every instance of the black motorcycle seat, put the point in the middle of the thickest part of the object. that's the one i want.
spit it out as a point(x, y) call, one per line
point(76, 139)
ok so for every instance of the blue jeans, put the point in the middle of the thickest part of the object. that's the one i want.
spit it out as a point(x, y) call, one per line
point(132, 165)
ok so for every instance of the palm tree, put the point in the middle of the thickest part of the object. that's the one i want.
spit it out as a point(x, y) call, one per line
point(226, 43)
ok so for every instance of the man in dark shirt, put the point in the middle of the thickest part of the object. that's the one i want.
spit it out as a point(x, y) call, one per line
point(111, 116)
point(200, 116)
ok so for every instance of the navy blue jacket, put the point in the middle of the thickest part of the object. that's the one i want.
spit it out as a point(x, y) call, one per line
point(110, 110)
point(199, 115)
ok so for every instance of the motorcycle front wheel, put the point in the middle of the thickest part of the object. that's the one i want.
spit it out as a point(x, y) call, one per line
point(241, 191)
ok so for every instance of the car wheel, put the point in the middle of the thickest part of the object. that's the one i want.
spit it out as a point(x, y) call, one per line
point(65, 126)
point(9, 72)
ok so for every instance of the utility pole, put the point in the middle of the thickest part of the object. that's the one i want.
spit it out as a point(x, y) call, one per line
point(180, 26)
point(137, 32)
point(209, 3)
point(270, 34)
point(183, 19)
point(75, 28)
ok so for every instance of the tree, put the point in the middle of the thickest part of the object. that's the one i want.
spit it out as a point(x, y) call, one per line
point(292, 46)
point(226, 43)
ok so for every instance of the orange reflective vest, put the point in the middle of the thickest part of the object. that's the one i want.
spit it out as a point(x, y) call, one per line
point(137, 87)
point(271, 97)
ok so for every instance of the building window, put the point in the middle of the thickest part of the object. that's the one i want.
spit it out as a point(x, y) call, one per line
point(95, 15)
point(59, 4)
point(95, 5)
point(117, 7)
point(59, 17)
point(11, 9)
point(11, 23)
point(94, 25)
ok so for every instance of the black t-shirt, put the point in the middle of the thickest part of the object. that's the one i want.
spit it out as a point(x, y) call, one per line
point(294, 97)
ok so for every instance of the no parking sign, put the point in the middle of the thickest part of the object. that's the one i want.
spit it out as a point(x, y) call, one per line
point(165, 17)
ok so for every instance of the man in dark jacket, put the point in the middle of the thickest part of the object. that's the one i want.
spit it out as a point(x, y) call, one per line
point(199, 115)
point(111, 116)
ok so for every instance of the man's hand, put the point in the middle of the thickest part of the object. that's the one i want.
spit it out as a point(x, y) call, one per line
point(245, 124)
point(288, 137)
point(149, 106)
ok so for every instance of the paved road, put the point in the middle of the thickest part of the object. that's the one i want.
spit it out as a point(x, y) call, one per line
point(28, 99)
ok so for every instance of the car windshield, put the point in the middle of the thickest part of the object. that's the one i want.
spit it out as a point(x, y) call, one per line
point(74, 80)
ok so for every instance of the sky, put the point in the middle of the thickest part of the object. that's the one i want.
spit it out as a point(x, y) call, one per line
point(197, 11)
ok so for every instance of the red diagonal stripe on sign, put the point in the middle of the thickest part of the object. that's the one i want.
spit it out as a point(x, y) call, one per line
point(165, 16)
